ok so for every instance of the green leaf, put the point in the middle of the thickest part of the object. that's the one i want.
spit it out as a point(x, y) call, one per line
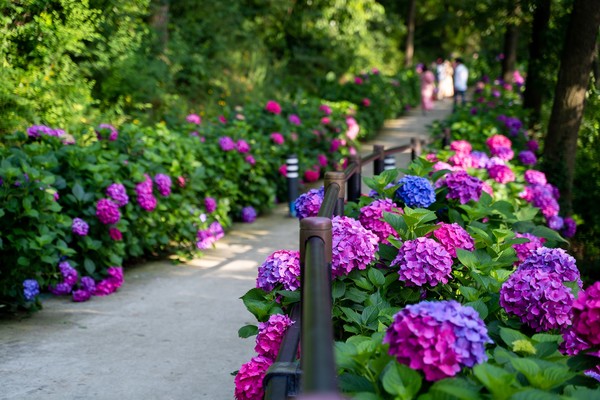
point(89, 266)
point(376, 276)
point(257, 304)
point(510, 335)
point(574, 286)
point(497, 380)
point(582, 362)
point(352, 315)
point(369, 315)
point(78, 192)
point(467, 258)
point(338, 288)
point(529, 368)
point(355, 383)
point(547, 233)
point(387, 252)
point(480, 307)
point(457, 388)
point(397, 222)
point(401, 381)
point(534, 394)
point(471, 294)
point(247, 331)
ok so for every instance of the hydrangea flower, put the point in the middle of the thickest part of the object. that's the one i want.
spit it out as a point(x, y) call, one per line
point(462, 186)
point(534, 177)
point(309, 203)
point(311, 175)
point(416, 191)
point(452, 237)
point(280, 267)
point(527, 157)
point(111, 283)
point(325, 109)
point(61, 289)
point(570, 227)
point(523, 250)
point(273, 107)
point(496, 141)
point(586, 314)
point(145, 198)
point(118, 194)
point(107, 132)
point(480, 159)
point(532, 145)
point(542, 197)
point(371, 217)
point(248, 214)
point(242, 146)
point(115, 234)
point(31, 289)
point(87, 283)
point(438, 338)
point(210, 204)
point(68, 273)
point(573, 345)
point(353, 246)
point(538, 297)
point(205, 239)
point(226, 143)
point(250, 159)
point(501, 173)
point(556, 222)
point(503, 153)
point(461, 146)
point(294, 119)
point(194, 119)
point(270, 335)
point(81, 295)
point(277, 138)
point(554, 261)
point(249, 379)
point(163, 183)
point(107, 211)
point(423, 261)
point(462, 161)
point(80, 227)
point(216, 230)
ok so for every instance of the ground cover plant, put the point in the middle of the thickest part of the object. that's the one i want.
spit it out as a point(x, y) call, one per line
point(451, 278)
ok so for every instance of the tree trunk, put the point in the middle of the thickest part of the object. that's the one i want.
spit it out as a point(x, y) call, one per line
point(533, 96)
point(596, 66)
point(410, 36)
point(560, 146)
point(160, 22)
point(511, 41)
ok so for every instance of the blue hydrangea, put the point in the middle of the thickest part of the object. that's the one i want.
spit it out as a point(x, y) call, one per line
point(31, 288)
point(416, 191)
point(309, 203)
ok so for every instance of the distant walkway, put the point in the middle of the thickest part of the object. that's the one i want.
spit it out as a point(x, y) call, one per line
point(170, 332)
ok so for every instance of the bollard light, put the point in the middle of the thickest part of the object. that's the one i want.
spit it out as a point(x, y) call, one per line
point(389, 162)
point(291, 164)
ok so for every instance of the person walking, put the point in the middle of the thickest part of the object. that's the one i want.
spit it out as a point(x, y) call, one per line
point(461, 76)
point(427, 89)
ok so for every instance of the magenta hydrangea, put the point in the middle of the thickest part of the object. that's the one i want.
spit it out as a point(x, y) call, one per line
point(423, 261)
point(542, 197)
point(107, 132)
point(294, 120)
point(242, 146)
point(226, 143)
point(523, 250)
point(554, 261)
point(210, 204)
point(462, 186)
point(538, 297)
point(249, 379)
point(461, 146)
point(118, 194)
point(586, 314)
point(371, 217)
point(280, 267)
point(270, 335)
point(573, 345)
point(145, 197)
point(107, 211)
point(309, 203)
point(353, 246)
point(438, 338)
point(496, 141)
point(452, 237)
point(111, 283)
point(80, 227)
point(273, 107)
point(501, 173)
point(277, 138)
point(163, 183)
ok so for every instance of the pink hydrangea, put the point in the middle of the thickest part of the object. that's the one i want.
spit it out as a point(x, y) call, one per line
point(461, 146)
point(107, 212)
point(194, 119)
point(353, 246)
point(270, 335)
point(501, 173)
point(586, 314)
point(277, 138)
point(322, 159)
point(273, 107)
point(523, 250)
point(534, 177)
point(353, 128)
point(366, 102)
point(107, 132)
point(249, 379)
point(371, 217)
point(496, 141)
point(115, 234)
point(423, 261)
point(250, 159)
point(280, 267)
point(462, 160)
point(111, 283)
point(226, 143)
point(325, 109)
point(452, 237)
point(294, 120)
point(242, 146)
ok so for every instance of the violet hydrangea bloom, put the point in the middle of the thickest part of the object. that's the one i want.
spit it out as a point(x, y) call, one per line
point(573, 344)
point(31, 288)
point(438, 338)
point(107, 211)
point(534, 177)
point(81, 295)
point(309, 203)
point(462, 186)
point(503, 153)
point(586, 314)
point(501, 173)
point(210, 204)
point(248, 214)
point(556, 222)
point(353, 246)
point(61, 289)
point(145, 198)
point(527, 157)
point(570, 227)
point(249, 379)
point(68, 273)
point(163, 183)
point(294, 119)
point(416, 191)
point(226, 143)
point(371, 217)
point(80, 227)
point(423, 261)
point(118, 194)
point(280, 267)
point(480, 159)
point(452, 237)
point(270, 335)
point(555, 261)
point(523, 250)
point(205, 239)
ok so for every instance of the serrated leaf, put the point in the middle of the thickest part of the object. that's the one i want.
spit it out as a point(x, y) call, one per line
point(376, 277)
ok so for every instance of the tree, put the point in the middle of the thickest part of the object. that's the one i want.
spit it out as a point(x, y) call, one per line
point(511, 41)
point(410, 35)
point(569, 99)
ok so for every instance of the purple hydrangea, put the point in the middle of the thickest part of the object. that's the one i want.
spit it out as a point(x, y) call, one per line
point(39, 130)
point(216, 229)
point(462, 187)
point(226, 143)
point(145, 198)
point(554, 261)
point(538, 297)
point(527, 157)
point(503, 153)
point(61, 289)
point(438, 338)
point(416, 191)
point(556, 222)
point(80, 227)
point(242, 146)
point(309, 203)
point(249, 379)
point(118, 194)
point(87, 283)
point(501, 173)
point(354, 247)
point(107, 132)
point(210, 204)
point(31, 289)
point(542, 197)
point(586, 314)
point(270, 335)
point(423, 261)
point(248, 214)
point(534, 177)
point(452, 237)
point(570, 227)
point(107, 211)
point(68, 273)
point(205, 239)
point(294, 119)
point(371, 217)
point(523, 250)
point(480, 159)
point(81, 295)
point(163, 183)
point(281, 267)
point(573, 345)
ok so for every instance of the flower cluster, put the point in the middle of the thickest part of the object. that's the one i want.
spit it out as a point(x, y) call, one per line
point(248, 214)
point(107, 211)
point(273, 107)
point(353, 246)
point(527, 157)
point(111, 283)
point(309, 203)
point(452, 237)
point(371, 217)
point(249, 379)
point(294, 119)
point(115, 233)
point(270, 334)
point(118, 194)
point(438, 338)
point(281, 267)
point(87, 288)
point(586, 314)
point(39, 130)
point(107, 132)
point(194, 119)
point(207, 237)
point(145, 197)
point(569, 228)
point(534, 177)
point(31, 289)
point(163, 183)
point(416, 191)
point(523, 250)
point(242, 146)
point(423, 260)
point(501, 173)
point(69, 279)
point(555, 261)
point(277, 138)
point(80, 227)
point(462, 186)
point(513, 124)
point(226, 143)
point(210, 204)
